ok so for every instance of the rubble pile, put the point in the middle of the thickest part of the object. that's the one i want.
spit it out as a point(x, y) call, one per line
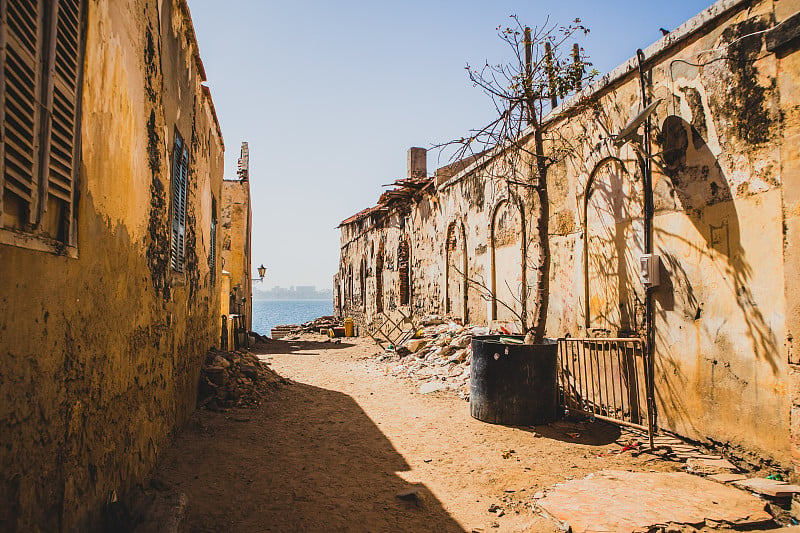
point(438, 355)
point(318, 325)
point(230, 379)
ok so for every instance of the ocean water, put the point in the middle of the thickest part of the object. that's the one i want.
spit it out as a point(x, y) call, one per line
point(270, 313)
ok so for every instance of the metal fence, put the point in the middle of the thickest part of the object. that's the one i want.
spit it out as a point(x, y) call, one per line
point(606, 378)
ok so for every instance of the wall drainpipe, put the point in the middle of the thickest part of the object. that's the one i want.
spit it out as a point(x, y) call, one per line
point(647, 179)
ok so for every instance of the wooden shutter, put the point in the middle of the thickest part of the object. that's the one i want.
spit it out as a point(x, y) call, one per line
point(61, 163)
point(21, 86)
point(179, 181)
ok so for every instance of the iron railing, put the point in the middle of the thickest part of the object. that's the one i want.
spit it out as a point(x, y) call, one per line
point(606, 378)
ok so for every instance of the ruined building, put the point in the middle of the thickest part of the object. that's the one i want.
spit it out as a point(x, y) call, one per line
point(724, 157)
point(237, 219)
point(111, 163)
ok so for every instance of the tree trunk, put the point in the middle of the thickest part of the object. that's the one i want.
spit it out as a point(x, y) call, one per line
point(542, 221)
point(542, 297)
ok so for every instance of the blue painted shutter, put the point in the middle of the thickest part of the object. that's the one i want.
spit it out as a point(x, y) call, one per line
point(180, 173)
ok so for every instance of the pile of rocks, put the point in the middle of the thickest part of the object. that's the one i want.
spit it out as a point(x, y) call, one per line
point(438, 356)
point(318, 325)
point(230, 379)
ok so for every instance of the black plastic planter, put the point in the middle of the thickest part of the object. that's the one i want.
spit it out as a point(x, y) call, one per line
point(513, 384)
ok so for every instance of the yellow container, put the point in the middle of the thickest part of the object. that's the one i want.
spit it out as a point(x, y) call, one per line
point(349, 328)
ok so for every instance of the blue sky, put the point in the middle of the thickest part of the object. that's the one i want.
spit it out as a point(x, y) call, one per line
point(330, 95)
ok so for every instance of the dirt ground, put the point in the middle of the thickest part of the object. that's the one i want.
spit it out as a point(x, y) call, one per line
point(334, 447)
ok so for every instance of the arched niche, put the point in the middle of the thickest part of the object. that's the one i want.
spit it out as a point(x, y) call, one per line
point(507, 241)
point(379, 279)
point(362, 282)
point(613, 226)
point(456, 271)
point(404, 272)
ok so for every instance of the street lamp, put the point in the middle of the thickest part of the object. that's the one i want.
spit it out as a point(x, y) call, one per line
point(261, 271)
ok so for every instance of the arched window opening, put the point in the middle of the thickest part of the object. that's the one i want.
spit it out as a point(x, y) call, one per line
point(404, 272)
point(379, 280)
point(362, 273)
point(456, 272)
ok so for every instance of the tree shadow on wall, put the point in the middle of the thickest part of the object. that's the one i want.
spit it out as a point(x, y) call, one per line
point(696, 184)
point(614, 240)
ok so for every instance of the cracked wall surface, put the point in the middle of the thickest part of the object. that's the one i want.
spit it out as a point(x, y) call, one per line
point(725, 137)
point(101, 358)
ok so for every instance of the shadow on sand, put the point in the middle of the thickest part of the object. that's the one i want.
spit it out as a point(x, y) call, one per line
point(308, 459)
point(269, 346)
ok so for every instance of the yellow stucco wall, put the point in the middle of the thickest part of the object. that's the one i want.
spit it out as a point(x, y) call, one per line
point(236, 224)
point(101, 353)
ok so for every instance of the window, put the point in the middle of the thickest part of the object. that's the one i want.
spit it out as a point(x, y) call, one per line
point(42, 48)
point(362, 279)
point(180, 171)
point(379, 280)
point(404, 273)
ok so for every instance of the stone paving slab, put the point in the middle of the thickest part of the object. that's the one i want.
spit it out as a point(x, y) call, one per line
point(614, 500)
point(769, 487)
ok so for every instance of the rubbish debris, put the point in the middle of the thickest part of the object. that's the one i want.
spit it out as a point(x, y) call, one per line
point(438, 355)
point(231, 379)
point(319, 325)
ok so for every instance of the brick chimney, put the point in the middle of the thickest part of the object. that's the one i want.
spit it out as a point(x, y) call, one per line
point(417, 162)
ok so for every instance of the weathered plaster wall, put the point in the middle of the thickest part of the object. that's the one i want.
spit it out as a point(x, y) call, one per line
point(236, 221)
point(787, 83)
point(101, 354)
point(725, 136)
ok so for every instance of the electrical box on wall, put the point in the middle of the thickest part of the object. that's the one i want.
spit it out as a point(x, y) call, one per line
point(649, 269)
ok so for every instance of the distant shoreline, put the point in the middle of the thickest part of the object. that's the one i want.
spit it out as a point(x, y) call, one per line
point(256, 299)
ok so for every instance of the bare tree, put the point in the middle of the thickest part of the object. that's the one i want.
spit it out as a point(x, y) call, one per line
point(523, 91)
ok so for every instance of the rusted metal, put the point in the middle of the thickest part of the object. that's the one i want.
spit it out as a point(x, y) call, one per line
point(606, 378)
point(395, 335)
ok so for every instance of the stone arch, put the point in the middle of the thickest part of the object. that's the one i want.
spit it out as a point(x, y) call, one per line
point(613, 240)
point(456, 283)
point(379, 279)
point(362, 282)
point(508, 276)
point(349, 286)
point(404, 272)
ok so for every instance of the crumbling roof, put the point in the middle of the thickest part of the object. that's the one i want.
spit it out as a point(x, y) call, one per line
point(403, 192)
point(364, 213)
